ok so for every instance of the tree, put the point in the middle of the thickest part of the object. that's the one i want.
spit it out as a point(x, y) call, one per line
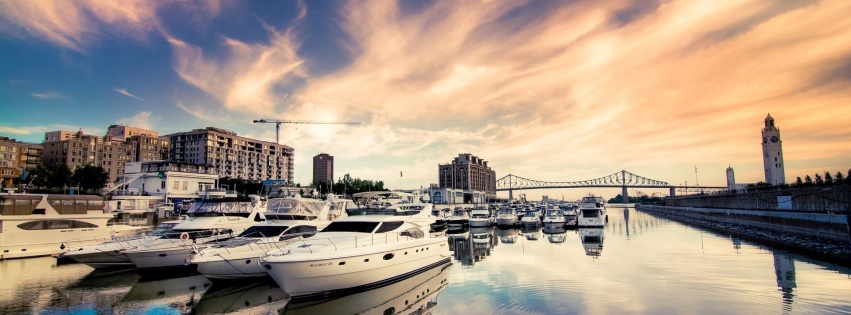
point(799, 182)
point(60, 176)
point(848, 178)
point(828, 179)
point(819, 181)
point(839, 180)
point(37, 177)
point(808, 181)
point(90, 178)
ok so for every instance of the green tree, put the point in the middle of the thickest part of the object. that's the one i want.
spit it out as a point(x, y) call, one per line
point(90, 178)
point(60, 176)
point(37, 177)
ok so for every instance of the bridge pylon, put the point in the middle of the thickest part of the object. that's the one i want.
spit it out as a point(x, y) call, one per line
point(624, 196)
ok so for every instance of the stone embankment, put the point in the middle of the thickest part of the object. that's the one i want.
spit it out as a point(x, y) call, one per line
point(823, 243)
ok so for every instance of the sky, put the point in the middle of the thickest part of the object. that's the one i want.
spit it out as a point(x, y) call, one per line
point(675, 91)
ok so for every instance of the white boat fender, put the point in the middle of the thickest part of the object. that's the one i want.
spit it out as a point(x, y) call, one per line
point(184, 236)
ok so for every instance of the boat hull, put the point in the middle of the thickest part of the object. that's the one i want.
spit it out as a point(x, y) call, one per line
point(303, 274)
point(479, 223)
point(506, 221)
point(242, 265)
point(161, 257)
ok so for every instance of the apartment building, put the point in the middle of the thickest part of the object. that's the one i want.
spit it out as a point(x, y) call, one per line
point(9, 161)
point(470, 174)
point(78, 149)
point(231, 155)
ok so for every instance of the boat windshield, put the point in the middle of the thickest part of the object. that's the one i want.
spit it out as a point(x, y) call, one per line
point(294, 209)
point(506, 211)
point(480, 216)
point(162, 229)
point(590, 213)
point(556, 213)
point(351, 226)
point(263, 231)
point(459, 213)
point(531, 213)
point(208, 208)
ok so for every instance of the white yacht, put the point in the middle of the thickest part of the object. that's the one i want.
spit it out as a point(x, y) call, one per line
point(459, 219)
point(531, 218)
point(554, 216)
point(110, 254)
point(592, 212)
point(287, 220)
point(480, 218)
point(506, 216)
point(359, 250)
point(45, 224)
point(209, 221)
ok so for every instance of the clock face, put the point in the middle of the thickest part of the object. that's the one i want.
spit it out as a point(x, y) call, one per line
point(764, 140)
point(774, 139)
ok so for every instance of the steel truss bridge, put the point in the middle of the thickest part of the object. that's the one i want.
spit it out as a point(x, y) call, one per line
point(623, 179)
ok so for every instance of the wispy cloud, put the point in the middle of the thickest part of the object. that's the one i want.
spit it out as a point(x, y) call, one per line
point(245, 79)
point(49, 95)
point(124, 91)
point(77, 24)
point(140, 120)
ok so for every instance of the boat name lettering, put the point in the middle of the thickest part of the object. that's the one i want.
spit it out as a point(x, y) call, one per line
point(320, 265)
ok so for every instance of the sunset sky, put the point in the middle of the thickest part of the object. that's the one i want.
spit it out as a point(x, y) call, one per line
point(547, 90)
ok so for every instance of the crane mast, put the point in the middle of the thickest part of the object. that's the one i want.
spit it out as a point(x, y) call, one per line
point(278, 123)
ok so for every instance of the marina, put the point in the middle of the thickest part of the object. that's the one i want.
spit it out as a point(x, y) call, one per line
point(619, 268)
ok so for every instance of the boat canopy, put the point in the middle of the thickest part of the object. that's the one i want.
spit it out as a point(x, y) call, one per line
point(295, 209)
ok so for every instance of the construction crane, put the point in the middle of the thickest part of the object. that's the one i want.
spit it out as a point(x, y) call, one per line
point(278, 123)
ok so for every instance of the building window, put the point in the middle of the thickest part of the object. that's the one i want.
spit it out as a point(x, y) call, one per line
point(176, 185)
point(185, 185)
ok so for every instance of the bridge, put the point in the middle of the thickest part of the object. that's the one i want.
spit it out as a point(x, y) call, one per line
point(622, 179)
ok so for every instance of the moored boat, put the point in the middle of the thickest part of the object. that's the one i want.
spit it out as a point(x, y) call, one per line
point(110, 254)
point(592, 212)
point(287, 220)
point(46, 224)
point(209, 221)
point(359, 250)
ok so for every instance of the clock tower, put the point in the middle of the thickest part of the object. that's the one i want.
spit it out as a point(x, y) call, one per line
point(772, 153)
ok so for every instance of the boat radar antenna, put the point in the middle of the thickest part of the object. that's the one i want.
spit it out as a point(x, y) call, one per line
point(278, 123)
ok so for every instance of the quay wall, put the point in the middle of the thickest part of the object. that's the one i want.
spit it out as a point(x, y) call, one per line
point(827, 199)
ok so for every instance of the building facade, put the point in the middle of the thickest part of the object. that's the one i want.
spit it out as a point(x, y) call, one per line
point(230, 155)
point(470, 174)
point(9, 161)
point(772, 153)
point(323, 169)
point(78, 149)
point(29, 155)
point(148, 148)
point(124, 133)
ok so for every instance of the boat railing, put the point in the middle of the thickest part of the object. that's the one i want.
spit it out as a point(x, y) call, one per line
point(345, 242)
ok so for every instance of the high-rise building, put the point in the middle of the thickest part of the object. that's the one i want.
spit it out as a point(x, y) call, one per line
point(232, 156)
point(772, 153)
point(470, 173)
point(78, 149)
point(323, 169)
point(148, 148)
point(731, 179)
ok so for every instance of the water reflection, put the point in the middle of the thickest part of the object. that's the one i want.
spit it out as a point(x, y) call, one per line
point(262, 296)
point(414, 295)
point(784, 269)
point(166, 290)
point(507, 236)
point(556, 234)
point(592, 241)
point(531, 233)
point(473, 246)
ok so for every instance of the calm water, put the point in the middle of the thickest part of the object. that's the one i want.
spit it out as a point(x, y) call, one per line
point(637, 264)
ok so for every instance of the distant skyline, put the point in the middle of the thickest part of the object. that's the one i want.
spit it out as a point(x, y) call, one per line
point(546, 90)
